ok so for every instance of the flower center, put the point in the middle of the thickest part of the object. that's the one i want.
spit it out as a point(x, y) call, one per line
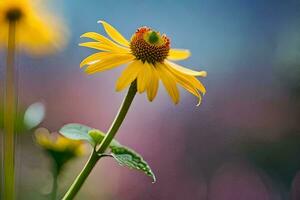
point(13, 14)
point(148, 45)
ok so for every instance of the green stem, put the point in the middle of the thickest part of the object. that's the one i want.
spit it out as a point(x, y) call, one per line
point(119, 119)
point(78, 182)
point(55, 173)
point(9, 116)
point(95, 156)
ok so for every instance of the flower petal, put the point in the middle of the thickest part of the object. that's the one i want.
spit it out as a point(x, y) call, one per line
point(186, 82)
point(153, 85)
point(102, 39)
point(109, 62)
point(94, 58)
point(96, 36)
point(129, 75)
point(114, 34)
point(186, 70)
point(198, 84)
point(104, 47)
point(178, 54)
point(144, 77)
point(168, 81)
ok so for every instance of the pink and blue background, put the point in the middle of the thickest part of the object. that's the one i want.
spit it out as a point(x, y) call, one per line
point(251, 51)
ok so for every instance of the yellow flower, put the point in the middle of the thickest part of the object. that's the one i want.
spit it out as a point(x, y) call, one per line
point(149, 58)
point(58, 144)
point(37, 32)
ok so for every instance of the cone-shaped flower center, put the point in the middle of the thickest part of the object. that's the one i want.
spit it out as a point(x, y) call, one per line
point(148, 45)
point(14, 14)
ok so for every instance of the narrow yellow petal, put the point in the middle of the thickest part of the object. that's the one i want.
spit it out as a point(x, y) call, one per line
point(129, 75)
point(109, 62)
point(102, 39)
point(186, 70)
point(114, 34)
point(168, 81)
point(186, 82)
point(96, 36)
point(144, 77)
point(178, 54)
point(94, 58)
point(97, 45)
point(198, 84)
point(153, 84)
point(104, 47)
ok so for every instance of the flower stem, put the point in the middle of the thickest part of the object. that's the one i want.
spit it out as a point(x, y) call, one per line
point(96, 154)
point(119, 119)
point(9, 115)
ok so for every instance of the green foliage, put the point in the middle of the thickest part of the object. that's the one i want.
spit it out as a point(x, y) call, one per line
point(129, 158)
point(96, 135)
point(77, 132)
point(122, 154)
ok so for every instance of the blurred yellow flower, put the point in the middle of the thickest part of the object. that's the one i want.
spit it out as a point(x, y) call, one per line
point(58, 144)
point(148, 55)
point(37, 32)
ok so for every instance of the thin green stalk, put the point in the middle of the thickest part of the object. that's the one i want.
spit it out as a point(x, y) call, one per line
point(55, 173)
point(78, 182)
point(9, 116)
point(118, 120)
point(96, 155)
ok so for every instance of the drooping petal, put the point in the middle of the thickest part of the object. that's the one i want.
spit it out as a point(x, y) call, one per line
point(114, 34)
point(103, 47)
point(198, 84)
point(178, 54)
point(153, 84)
point(102, 39)
point(144, 77)
point(114, 60)
point(186, 82)
point(195, 82)
point(129, 75)
point(168, 81)
point(186, 70)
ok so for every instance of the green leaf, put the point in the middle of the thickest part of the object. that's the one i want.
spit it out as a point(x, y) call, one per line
point(77, 132)
point(115, 144)
point(96, 135)
point(129, 158)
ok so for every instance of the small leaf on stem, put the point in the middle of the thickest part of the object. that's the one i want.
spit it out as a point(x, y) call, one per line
point(77, 132)
point(82, 132)
point(96, 135)
point(129, 158)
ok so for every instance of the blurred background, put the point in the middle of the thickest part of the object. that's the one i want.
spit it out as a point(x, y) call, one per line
point(242, 143)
